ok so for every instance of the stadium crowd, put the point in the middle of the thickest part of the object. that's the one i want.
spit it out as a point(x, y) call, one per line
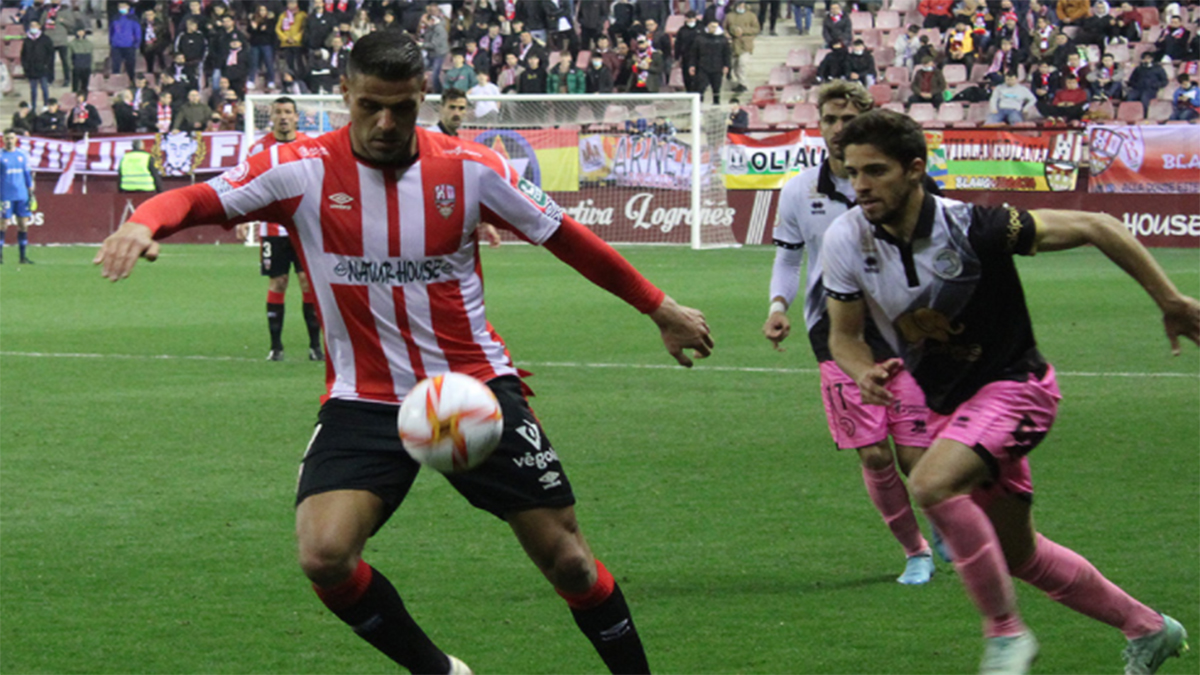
point(188, 64)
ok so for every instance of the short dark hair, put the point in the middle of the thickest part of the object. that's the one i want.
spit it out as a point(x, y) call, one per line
point(453, 94)
point(386, 55)
point(895, 135)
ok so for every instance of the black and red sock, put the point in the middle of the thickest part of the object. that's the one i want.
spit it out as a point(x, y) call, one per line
point(369, 603)
point(275, 318)
point(310, 320)
point(604, 617)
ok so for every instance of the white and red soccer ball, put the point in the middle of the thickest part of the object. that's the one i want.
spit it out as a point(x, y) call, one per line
point(450, 422)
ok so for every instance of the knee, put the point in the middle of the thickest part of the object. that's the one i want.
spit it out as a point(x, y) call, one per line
point(572, 571)
point(326, 561)
point(927, 490)
point(876, 457)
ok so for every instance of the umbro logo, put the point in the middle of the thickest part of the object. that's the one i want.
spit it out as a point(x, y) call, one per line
point(550, 479)
point(341, 200)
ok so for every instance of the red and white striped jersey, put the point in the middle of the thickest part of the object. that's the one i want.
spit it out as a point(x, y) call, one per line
point(391, 252)
point(268, 142)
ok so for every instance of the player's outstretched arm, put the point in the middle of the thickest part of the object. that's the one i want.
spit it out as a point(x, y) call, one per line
point(121, 250)
point(850, 350)
point(683, 328)
point(1058, 230)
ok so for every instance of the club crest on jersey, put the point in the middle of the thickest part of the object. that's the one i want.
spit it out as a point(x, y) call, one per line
point(445, 199)
point(947, 264)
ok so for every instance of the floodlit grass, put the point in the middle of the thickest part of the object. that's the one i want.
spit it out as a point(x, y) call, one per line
point(146, 503)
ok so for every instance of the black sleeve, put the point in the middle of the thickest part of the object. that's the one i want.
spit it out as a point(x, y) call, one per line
point(1002, 230)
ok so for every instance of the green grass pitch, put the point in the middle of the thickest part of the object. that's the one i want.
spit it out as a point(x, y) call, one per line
point(146, 502)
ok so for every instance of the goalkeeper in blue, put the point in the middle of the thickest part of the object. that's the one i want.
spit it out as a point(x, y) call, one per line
point(16, 192)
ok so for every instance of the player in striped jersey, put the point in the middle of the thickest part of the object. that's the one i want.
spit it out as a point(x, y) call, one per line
point(277, 257)
point(383, 215)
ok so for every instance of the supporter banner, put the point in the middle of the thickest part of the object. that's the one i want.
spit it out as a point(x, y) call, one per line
point(1033, 161)
point(176, 153)
point(958, 159)
point(767, 161)
point(1145, 159)
point(647, 160)
point(548, 158)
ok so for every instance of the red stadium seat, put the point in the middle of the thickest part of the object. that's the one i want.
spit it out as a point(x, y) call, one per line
point(1120, 52)
point(951, 112)
point(753, 116)
point(954, 73)
point(763, 96)
point(1149, 16)
point(66, 101)
point(674, 23)
point(581, 61)
point(806, 115)
point(779, 77)
point(903, 6)
point(1160, 111)
point(1131, 112)
point(775, 114)
point(797, 58)
point(881, 93)
point(979, 72)
point(99, 99)
point(894, 106)
point(887, 19)
point(871, 39)
point(861, 21)
point(675, 80)
point(896, 75)
point(923, 112)
point(807, 75)
point(793, 93)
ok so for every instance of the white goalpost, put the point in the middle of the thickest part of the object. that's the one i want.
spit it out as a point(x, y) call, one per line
point(634, 168)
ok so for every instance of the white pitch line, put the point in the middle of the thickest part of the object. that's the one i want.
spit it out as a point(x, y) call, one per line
point(557, 364)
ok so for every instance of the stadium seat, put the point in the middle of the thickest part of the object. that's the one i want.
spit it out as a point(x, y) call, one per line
point(954, 73)
point(1151, 33)
point(763, 96)
point(951, 112)
point(896, 75)
point(1131, 112)
point(923, 112)
point(881, 93)
point(66, 101)
point(887, 19)
point(116, 82)
point(675, 79)
point(1120, 52)
point(1150, 16)
point(99, 99)
point(792, 93)
point(871, 39)
point(807, 75)
point(820, 56)
point(1167, 93)
point(614, 114)
point(108, 120)
point(1103, 110)
point(775, 114)
point(779, 77)
point(753, 116)
point(797, 58)
point(894, 106)
point(674, 23)
point(1093, 53)
point(977, 113)
point(581, 61)
point(979, 72)
point(903, 6)
point(861, 21)
point(885, 54)
point(806, 115)
point(1160, 111)
point(813, 95)
point(551, 61)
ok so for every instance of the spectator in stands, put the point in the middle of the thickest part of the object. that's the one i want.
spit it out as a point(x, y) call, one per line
point(646, 68)
point(860, 64)
point(83, 118)
point(1043, 82)
point(1072, 12)
point(339, 58)
point(536, 18)
point(22, 120)
point(195, 12)
point(193, 115)
point(533, 79)
point(802, 14)
point(624, 14)
point(81, 50)
point(219, 45)
point(159, 116)
point(598, 78)
point(591, 18)
point(742, 27)
point(361, 25)
point(179, 89)
point(52, 121)
point(658, 10)
point(835, 65)
point(460, 76)
point(928, 83)
point(226, 113)
point(183, 73)
point(1042, 42)
point(1107, 80)
point(1068, 104)
point(289, 85)
point(837, 26)
point(1129, 23)
point(143, 93)
point(527, 45)
point(1145, 81)
point(1010, 100)
point(1010, 29)
point(435, 40)
point(492, 44)
point(125, 114)
point(770, 7)
point(1004, 59)
point(484, 110)
point(290, 32)
point(124, 39)
point(1040, 9)
point(682, 49)
point(37, 60)
point(925, 48)
point(960, 44)
point(318, 26)
point(1099, 28)
point(261, 29)
point(1187, 100)
point(510, 74)
point(711, 57)
point(660, 41)
point(475, 58)
point(236, 66)
point(1063, 48)
point(192, 46)
point(906, 47)
point(321, 79)
point(613, 59)
point(1172, 45)
point(739, 119)
point(565, 78)
point(563, 34)
point(156, 37)
point(1075, 67)
point(980, 20)
point(936, 12)
point(59, 22)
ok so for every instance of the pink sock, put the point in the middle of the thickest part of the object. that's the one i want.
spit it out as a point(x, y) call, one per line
point(890, 497)
point(1070, 579)
point(980, 563)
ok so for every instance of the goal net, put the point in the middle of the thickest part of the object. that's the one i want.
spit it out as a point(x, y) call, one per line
point(632, 168)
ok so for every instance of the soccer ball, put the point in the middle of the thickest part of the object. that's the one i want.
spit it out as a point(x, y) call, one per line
point(450, 422)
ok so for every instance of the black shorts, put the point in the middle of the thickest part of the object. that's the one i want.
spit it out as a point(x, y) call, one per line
point(278, 257)
point(356, 447)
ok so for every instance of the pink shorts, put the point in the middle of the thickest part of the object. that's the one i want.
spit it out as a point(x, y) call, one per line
point(854, 424)
point(1002, 423)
